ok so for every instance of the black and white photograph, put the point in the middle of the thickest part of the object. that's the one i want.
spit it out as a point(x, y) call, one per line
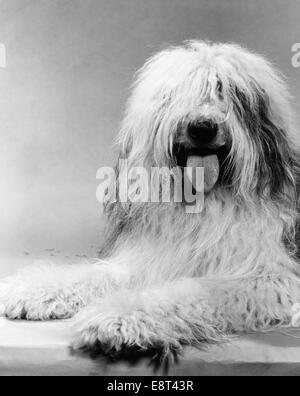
point(150, 190)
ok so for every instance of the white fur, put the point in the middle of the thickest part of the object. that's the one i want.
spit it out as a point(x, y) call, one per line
point(176, 278)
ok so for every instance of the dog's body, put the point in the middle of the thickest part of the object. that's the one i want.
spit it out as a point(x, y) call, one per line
point(167, 278)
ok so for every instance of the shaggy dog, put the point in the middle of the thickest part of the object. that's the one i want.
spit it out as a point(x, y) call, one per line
point(167, 278)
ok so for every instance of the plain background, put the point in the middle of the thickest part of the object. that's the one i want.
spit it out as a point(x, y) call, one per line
point(69, 67)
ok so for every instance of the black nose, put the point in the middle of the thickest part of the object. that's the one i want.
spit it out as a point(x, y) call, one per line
point(202, 132)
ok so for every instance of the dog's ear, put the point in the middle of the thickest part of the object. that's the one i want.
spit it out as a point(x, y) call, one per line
point(277, 164)
point(292, 237)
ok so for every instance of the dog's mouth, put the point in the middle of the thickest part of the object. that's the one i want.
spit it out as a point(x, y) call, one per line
point(213, 160)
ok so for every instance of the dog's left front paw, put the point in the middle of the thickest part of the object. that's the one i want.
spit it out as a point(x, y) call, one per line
point(112, 333)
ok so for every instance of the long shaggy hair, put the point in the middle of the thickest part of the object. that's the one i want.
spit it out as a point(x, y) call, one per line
point(166, 278)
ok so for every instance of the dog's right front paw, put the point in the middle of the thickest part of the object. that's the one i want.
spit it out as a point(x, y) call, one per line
point(38, 293)
point(40, 304)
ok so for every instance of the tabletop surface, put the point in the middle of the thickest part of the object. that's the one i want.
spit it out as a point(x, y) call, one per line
point(42, 348)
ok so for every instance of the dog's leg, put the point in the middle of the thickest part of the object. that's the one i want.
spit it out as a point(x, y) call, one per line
point(162, 318)
point(189, 311)
point(43, 292)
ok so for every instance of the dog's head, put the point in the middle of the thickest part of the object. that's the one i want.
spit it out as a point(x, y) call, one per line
point(218, 105)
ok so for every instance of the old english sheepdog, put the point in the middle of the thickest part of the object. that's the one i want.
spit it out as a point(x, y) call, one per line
point(166, 278)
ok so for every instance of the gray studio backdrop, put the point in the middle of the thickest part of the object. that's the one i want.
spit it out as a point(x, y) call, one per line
point(69, 67)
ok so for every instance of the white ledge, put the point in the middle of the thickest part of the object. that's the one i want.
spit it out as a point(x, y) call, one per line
point(42, 348)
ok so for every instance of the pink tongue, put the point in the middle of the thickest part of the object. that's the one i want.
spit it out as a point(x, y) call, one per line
point(211, 167)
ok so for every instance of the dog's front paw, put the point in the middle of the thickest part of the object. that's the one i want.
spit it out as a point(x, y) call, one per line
point(40, 304)
point(114, 333)
point(35, 295)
